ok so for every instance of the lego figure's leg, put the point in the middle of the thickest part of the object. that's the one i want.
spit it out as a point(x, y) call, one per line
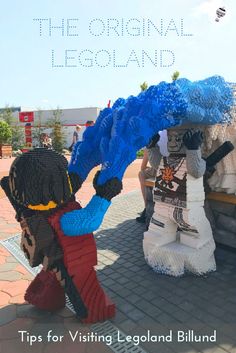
point(195, 229)
point(175, 257)
point(45, 292)
point(81, 283)
point(99, 306)
point(80, 264)
point(196, 241)
point(80, 257)
point(162, 228)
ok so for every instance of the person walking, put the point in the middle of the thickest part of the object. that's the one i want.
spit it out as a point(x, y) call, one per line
point(75, 137)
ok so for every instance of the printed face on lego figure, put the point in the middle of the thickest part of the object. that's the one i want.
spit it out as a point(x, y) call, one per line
point(175, 140)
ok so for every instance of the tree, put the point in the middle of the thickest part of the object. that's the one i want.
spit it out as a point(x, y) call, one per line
point(5, 132)
point(17, 132)
point(38, 129)
point(58, 133)
point(144, 86)
point(175, 75)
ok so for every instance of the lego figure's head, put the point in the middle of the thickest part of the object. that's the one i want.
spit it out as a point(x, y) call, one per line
point(175, 137)
point(38, 179)
point(175, 140)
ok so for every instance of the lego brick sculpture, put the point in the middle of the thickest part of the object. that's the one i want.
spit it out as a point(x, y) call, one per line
point(179, 237)
point(56, 231)
point(39, 188)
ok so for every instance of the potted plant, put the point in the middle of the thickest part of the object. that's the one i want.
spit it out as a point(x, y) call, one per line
point(5, 138)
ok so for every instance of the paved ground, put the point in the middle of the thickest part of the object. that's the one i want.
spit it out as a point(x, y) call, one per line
point(145, 300)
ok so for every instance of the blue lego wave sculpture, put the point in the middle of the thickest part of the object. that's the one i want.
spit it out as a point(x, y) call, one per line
point(122, 130)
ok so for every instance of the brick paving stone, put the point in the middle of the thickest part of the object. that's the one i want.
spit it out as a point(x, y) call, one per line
point(15, 288)
point(4, 298)
point(166, 319)
point(97, 348)
point(7, 267)
point(8, 314)
point(133, 298)
point(10, 276)
point(127, 326)
point(21, 269)
point(29, 311)
point(120, 317)
point(27, 276)
point(18, 299)
point(145, 306)
point(3, 251)
point(15, 345)
point(11, 329)
point(181, 315)
point(65, 313)
point(182, 347)
point(11, 259)
point(125, 292)
point(53, 322)
point(135, 314)
point(2, 260)
point(126, 307)
point(67, 346)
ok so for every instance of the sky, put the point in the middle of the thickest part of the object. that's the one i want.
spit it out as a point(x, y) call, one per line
point(77, 53)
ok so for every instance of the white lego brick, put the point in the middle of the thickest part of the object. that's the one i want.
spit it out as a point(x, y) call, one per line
point(158, 239)
point(175, 258)
point(193, 241)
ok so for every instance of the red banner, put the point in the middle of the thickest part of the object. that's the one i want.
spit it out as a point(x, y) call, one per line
point(26, 117)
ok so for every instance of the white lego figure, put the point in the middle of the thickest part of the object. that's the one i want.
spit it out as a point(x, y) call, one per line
point(179, 237)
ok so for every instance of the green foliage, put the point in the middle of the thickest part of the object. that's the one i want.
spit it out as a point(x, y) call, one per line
point(144, 86)
point(175, 75)
point(58, 132)
point(17, 132)
point(38, 129)
point(140, 153)
point(5, 132)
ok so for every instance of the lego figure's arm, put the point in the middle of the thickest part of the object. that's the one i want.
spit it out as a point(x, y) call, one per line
point(89, 219)
point(196, 166)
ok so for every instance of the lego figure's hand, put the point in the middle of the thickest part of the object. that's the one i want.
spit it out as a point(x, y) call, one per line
point(86, 154)
point(193, 140)
point(108, 190)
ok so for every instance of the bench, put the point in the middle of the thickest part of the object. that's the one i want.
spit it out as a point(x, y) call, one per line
point(217, 196)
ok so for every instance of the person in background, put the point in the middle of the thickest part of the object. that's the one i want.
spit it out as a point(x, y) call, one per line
point(90, 123)
point(151, 156)
point(49, 141)
point(76, 133)
point(75, 137)
point(45, 141)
